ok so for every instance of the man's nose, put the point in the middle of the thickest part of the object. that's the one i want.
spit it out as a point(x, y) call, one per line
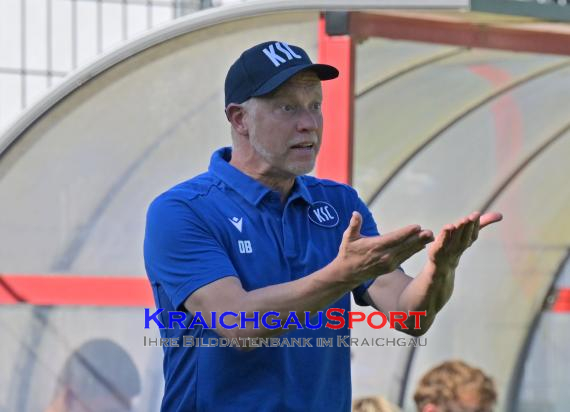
point(308, 121)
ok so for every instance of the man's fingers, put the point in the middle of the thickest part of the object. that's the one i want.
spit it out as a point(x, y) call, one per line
point(402, 251)
point(466, 230)
point(352, 232)
point(476, 227)
point(444, 238)
point(409, 252)
point(442, 241)
point(422, 238)
point(398, 236)
point(489, 218)
point(467, 235)
point(457, 234)
point(426, 236)
point(413, 245)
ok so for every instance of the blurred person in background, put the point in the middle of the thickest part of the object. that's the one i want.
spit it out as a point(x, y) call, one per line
point(455, 386)
point(99, 376)
point(373, 404)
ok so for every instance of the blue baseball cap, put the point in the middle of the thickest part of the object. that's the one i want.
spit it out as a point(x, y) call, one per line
point(266, 66)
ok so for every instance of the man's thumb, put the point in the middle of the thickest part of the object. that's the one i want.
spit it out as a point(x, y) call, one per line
point(353, 230)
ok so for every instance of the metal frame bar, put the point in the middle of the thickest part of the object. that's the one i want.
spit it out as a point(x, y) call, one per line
point(73, 18)
point(335, 160)
point(545, 11)
point(42, 289)
point(149, 7)
point(99, 25)
point(561, 300)
point(157, 3)
point(23, 52)
point(444, 29)
point(125, 20)
point(49, 44)
point(32, 72)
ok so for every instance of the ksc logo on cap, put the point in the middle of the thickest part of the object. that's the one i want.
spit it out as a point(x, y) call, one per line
point(284, 48)
point(323, 214)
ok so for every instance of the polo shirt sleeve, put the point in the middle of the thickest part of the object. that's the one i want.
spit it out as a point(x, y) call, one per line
point(180, 253)
point(369, 228)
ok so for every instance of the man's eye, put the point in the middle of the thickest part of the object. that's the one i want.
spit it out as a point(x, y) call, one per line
point(288, 108)
point(317, 106)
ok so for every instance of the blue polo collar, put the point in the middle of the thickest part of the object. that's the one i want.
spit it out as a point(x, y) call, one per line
point(249, 188)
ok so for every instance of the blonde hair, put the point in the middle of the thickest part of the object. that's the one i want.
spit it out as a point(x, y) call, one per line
point(373, 404)
point(442, 385)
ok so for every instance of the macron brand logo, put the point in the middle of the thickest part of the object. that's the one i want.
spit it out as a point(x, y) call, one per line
point(323, 214)
point(237, 222)
point(278, 59)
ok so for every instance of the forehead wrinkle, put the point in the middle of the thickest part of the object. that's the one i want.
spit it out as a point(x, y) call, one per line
point(292, 86)
point(302, 80)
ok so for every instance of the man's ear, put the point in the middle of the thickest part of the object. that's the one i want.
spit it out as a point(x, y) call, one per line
point(236, 116)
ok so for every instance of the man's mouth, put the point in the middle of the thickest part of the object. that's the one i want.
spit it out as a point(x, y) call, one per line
point(303, 146)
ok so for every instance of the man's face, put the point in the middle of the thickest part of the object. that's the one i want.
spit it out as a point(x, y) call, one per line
point(286, 127)
point(468, 400)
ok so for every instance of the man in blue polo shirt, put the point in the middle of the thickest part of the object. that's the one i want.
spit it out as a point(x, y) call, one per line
point(255, 234)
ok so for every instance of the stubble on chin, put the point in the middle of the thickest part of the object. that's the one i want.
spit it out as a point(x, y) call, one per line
point(301, 169)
